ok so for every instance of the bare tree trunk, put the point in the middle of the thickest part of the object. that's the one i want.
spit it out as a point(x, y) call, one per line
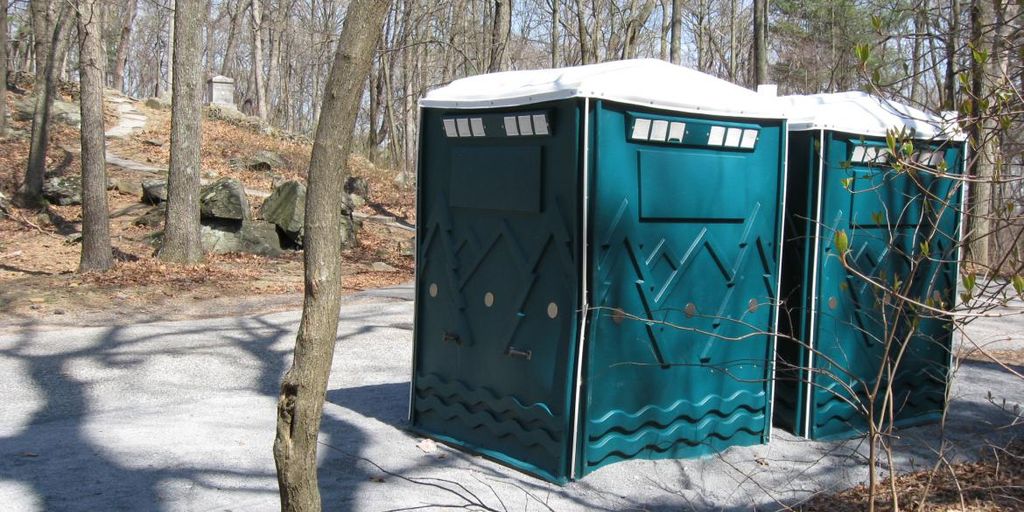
point(181, 237)
point(953, 39)
point(760, 42)
point(96, 251)
point(555, 39)
point(584, 37)
point(733, 61)
point(257, 58)
point(121, 54)
point(3, 68)
point(48, 27)
point(171, 47)
point(227, 66)
point(210, 25)
point(675, 51)
point(301, 401)
point(500, 32)
point(920, 28)
point(666, 26)
point(983, 136)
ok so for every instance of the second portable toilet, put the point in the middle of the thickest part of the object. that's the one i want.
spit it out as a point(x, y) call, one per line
point(597, 265)
point(902, 229)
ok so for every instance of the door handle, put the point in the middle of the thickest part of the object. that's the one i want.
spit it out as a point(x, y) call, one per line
point(514, 352)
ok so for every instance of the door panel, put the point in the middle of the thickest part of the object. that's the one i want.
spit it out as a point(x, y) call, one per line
point(497, 286)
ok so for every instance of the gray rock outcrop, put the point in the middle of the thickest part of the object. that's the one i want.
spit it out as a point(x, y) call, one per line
point(224, 199)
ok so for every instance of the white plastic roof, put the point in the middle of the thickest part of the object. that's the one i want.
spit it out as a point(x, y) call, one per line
point(862, 113)
point(646, 82)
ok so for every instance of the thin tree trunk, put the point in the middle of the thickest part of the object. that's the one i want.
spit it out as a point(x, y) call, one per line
point(760, 43)
point(3, 68)
point(500, 32)
point(920, 28)
point(949, 97)
point(301, 400)
point(48, 26)
point(181, 237)
point(555, 43)
point(171, 47)
point(675, 53)
point(121, 54)
point(666, 26)
point(96, 251)
point(733, 61)
point(584, 37)
point(257, 58)
point(210, 25)
point(227, 66)
point(983, 132)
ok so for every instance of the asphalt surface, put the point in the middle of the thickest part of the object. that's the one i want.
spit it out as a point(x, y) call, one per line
point(180, 416)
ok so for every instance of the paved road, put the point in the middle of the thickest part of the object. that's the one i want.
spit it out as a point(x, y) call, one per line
point(180, 416)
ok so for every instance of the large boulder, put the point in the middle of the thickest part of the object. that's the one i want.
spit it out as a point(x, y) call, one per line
point(153, 217)
point(154, 191)
point(63, 190)
point(159, 103)
point(224, 199)
point(67, 113)
point(286, 208)
point(252, 237)
point(261, 161)
point(5, 206)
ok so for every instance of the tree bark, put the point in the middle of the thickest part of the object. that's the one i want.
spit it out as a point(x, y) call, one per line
point(675, 54)
point(983, 133)
point(500, 32)
point(181, 236)
point(48, 28)
point(301, 400)
point(760, 42)
point(227, 66)
point(96, 251)
point(555, 39)
point(121, 54)
point(257, 58)
point(3, 68)
point(952, 40)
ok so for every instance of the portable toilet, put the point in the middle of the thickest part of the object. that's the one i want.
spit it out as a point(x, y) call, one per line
point(597, 265)
point(901, 223)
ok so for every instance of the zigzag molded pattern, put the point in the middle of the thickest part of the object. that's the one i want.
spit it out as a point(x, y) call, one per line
point(918, 393)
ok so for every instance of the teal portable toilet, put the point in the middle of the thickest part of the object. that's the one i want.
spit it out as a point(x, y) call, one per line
point(902, 227)
point(597, 264)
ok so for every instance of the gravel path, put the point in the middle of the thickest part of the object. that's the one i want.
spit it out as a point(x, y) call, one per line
point(180, 416)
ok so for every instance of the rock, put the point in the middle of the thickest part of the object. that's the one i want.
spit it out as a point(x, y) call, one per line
point(356, 200)
point(73, 238)
point(154, 191)
point(262, 161)
point(253, 237)
point(286, 207)
point(153, 218)
point(224, 199)
point(380, 266)
point(63, 190)
point(67, 113)
point(407, 247)
point(5, 206)
point(357, 186)
point(154, 142)
point(159, 103)
point(127, 186)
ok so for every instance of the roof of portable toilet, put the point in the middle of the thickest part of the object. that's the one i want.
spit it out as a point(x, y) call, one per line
point(646, 82)
point(865, 114)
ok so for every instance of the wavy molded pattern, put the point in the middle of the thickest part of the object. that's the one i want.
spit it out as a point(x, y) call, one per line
point(455, 402)
point(917, 394)
point(683, 424)
point(709, 433)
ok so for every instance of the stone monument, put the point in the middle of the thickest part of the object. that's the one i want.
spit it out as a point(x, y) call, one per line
point(220, 91)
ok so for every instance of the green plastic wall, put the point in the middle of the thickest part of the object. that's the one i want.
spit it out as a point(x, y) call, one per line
point(683, 282)
point(848, 328)
point(682, 278)
point(498, 253)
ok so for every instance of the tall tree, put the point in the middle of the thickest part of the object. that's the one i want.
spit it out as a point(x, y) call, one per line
point(760, 42)
point(675, 50)
point(181, 242)
point(301, 400)
point(96, 251)
point(121, 53)
point(3, 68)
point(983, 130)
point(555, 39)
point(256, 9)
point(501, 29)
point(48, 22)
